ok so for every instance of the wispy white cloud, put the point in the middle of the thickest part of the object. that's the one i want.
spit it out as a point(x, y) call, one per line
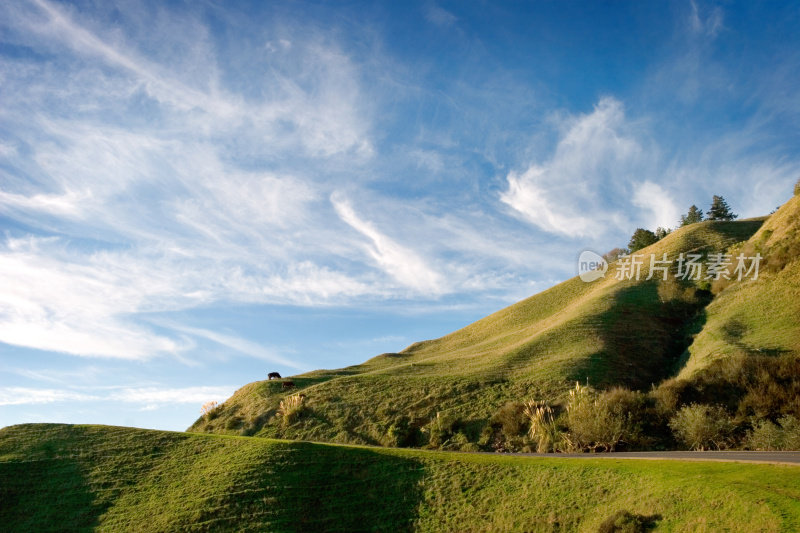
point(239, 344)
point(33, 396)
point(439, 16)
point(69, 308)
point(173, 210)
point(709, 24)
point(311, 99)
point(158, 395)
point(75, 377)
point(163, 172)
point(67, 204)
point(594, 162)
point(653, 197)
point(146, 396)
point(399, 261)
point(58, 25)
point(530, 196)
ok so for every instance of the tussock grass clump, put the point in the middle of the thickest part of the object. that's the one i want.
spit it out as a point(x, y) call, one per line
point(291, 408)
point(544, 430)
point(210, 410)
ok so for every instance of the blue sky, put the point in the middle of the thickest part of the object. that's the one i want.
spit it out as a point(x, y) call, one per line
point(195, 194)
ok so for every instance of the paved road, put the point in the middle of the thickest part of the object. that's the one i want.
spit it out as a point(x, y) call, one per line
point(730, 456)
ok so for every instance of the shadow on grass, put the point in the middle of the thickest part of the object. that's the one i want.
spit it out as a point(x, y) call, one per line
point(643, 337)
point(733, 331)
point(46, 491)
point(332, 488)
point(626, 522)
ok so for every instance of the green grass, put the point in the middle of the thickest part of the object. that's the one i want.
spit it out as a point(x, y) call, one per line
point(79, 478)
point(761, 316)
point(609, 332)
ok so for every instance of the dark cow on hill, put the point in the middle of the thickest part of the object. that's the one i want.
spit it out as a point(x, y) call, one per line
point(273, 375)
point(288, 384)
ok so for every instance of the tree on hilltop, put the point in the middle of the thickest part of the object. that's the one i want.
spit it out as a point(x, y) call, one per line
point(694, 215)
point(641, 238)
point(720, 210)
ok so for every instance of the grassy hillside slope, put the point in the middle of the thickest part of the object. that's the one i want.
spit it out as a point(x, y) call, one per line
point(609, 332)
point(758, 316)
point(79, 478)
point(747, 355)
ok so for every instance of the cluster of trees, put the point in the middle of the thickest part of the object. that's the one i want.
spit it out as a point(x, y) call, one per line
point(720, 210)
point(642, 238)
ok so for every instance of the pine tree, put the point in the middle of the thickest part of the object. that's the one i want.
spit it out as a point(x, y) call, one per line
point(720, 210)
point(694, 215)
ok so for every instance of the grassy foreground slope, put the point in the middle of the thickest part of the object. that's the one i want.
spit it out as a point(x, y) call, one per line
point(76, 478)
point(609, 332)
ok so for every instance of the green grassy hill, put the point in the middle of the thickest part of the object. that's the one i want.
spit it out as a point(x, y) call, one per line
point(761, 316)
point(79, 478)
point(747, 354)
point(609, 332)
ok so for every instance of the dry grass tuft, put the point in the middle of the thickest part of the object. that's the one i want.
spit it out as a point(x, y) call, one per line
point(291, 408)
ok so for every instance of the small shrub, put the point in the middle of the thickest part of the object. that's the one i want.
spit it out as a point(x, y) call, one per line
point(581, 419)
point(440, 430)
point(459, 441)
point(207, 407)
point(614, 254)
point(234, 423)
point(248, 431)
point(603, 421)
point(702, 427)
point(511, 418)
point(797, 188)
point(791, 432)
point(667, 395)
point(765, 436)
point(507, 429)
point(768, 436)
point(470, 447)
point(402, 434)
point(626, 522)
point(291, 408)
